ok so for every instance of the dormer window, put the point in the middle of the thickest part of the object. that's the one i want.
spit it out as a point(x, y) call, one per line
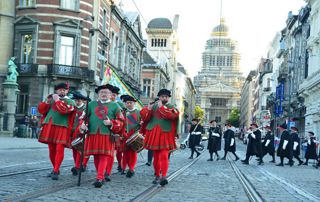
point(158, 42)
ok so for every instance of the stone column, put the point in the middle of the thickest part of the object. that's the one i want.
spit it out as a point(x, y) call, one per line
point(10, 90)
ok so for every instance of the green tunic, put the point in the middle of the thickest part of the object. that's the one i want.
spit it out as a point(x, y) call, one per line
point(133, 119)
point(58, 118)
point(96, 118)
point(156, 119)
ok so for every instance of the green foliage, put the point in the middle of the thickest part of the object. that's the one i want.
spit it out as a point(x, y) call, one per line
point(198, 112)
point(234, 117)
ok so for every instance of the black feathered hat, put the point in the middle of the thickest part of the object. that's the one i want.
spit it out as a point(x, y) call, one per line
point(254, 124)
point(129, 98)
point(122, 97)
point(164, 92)
point(195, 120)
point(62, 85)
point(78, 96)
point(283, 126)
point(115, 90)
point(107, 86)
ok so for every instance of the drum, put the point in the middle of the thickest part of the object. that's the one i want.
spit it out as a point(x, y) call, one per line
point(135, 142)
point(77, 144)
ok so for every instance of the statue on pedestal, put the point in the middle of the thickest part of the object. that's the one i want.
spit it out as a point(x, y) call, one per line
point(12, 71)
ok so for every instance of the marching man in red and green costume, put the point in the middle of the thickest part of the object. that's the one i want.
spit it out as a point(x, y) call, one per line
point(133, 120)
point(160, 132)
point(58, 111)
point(105, 119)
point(81, 102)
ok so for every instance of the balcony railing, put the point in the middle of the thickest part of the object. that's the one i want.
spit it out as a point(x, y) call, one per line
point(74, 72)
point(27, 69)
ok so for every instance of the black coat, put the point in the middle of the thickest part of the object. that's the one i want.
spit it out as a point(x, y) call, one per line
point(194, 139)
point(287, 152)
point(311, 152)
point(270, 147)
point(254, 144)
point(214, 142)
point(295, 138)
point(228, 135)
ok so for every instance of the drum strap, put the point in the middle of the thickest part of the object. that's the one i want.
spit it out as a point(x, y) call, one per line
point(131, 119)
point(102, 111)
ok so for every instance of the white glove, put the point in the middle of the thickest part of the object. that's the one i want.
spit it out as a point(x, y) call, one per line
point(253, 135)
point(215, 134)
point(284, 144)
point(83, 128)
point(232, 142)
point(295, 144)
point(309, 141)
point(267, 143)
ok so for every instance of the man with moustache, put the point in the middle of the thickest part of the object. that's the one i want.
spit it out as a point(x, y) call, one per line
point(161, 119)
point(105, 118)
point(58, 111)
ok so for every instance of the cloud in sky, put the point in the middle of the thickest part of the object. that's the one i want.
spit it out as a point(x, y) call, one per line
point(253, 23)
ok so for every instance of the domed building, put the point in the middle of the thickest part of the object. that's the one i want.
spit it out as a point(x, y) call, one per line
point(219, 82)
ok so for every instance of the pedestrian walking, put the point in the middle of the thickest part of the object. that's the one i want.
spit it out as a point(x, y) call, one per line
point(295, 145)
point(214, 142)
point(311, 152)
point(285, 145)
point(254, 146)
point(229, 142)
point(195, 136)
point(268, 144)
point(34, 123)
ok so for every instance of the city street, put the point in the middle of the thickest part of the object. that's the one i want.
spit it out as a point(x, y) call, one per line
point(201, 180)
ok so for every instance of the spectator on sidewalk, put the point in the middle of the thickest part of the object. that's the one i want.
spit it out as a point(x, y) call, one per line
point(34, 123)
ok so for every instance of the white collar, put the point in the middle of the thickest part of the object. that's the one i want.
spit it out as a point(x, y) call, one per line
point(80, 106)
point(103, 102)
point(131, 109)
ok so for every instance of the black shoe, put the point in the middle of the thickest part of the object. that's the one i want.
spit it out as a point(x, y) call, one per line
point(245, 162)
point(156, 180)
point(83, 169)
point(237, 158)
point(50, 174)
point(316, 166)
point(273, 161)
point(123, 172)
point(218, 157)
point(148, 164)
point(223, 158)
point(198, 154)
point(130, 173)
point(119, 168)
point(191, 157)
point(287, 164)
point(260, 163)
point(98, 183)
point(107, 178)
point(163, 181)
point(291, 163)
point(279, 164)
point(305, 163)
point(74, 171)
point(300, 163)
point(210, 159)
point(55, 176)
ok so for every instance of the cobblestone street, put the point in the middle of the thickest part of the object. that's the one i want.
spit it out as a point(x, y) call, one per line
point(202, 181)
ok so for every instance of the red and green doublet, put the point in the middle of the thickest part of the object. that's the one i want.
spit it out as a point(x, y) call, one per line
point(58, 121)
point(79, 116)
point(133, 119)
point(161, 127)
point(98, 140)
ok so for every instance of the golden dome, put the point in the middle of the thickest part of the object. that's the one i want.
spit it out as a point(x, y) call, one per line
point(221, 29)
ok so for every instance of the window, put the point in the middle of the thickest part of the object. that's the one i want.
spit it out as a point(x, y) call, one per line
point(26, 49)
point(104, 22)
point(152, 42)
point(66, 50)
point(218, 102)
point(147, 87)
point(70, 4)
point(23, 99)
point(26, 3)
point(165, 43)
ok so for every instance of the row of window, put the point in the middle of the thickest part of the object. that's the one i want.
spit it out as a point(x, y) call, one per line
point(217, 60)
point(65, 4)
point(158, 42)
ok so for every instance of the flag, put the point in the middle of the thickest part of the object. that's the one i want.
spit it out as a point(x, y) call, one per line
point(112, 78)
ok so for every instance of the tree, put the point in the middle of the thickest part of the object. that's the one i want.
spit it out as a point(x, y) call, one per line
point(198, 112)
point(234, 117)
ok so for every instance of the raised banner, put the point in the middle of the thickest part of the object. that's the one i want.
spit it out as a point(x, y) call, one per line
point(112, 78)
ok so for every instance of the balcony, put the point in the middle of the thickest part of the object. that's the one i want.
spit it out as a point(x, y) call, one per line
point(27, 69)
point(267, 89)
point(283, 72)
point(71, 72)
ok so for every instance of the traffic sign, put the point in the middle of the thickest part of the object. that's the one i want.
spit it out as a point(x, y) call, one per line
point(33, 111)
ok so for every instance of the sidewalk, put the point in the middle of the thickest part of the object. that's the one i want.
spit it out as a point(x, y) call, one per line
point(20, 143)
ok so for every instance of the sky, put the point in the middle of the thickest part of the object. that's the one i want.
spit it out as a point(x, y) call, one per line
point(253, 23)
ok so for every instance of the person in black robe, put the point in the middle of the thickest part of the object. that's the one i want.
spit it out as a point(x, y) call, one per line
point(254, 146)
point(285, 145)
point(295, 145)
point(214, 142)
point(268, 144)
point(229, 142)
point(196, 131)
point(311, 152)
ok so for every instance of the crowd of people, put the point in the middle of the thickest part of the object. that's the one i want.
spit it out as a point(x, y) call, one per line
point(103, 128)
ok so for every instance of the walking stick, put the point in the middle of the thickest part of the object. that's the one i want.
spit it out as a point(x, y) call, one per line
point(83, 140)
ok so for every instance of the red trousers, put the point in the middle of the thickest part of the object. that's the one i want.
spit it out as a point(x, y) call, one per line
point(56, 154)
point(161, 162)
point(76, 158)
point(108, 168)
point(119, 155)
point(101, 162)
point(129, 158)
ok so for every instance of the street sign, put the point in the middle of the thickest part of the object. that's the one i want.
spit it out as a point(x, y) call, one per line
point(33, 111)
